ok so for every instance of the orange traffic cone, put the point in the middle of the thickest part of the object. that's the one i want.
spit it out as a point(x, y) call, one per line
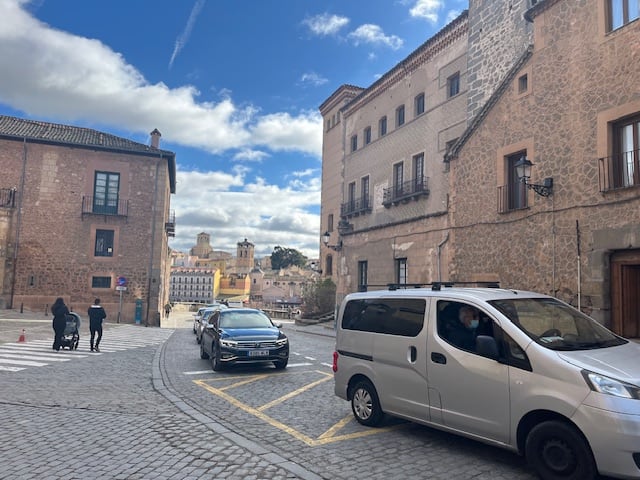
point(22, 337)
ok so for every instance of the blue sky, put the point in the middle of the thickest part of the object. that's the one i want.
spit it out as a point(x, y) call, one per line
point(233, 85)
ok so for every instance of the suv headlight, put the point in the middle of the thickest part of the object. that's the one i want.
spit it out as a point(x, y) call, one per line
point(229, 343)
point(282, 341)
point(610, 386)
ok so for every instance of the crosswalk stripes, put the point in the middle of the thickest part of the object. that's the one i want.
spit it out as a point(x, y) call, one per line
point(15, 357)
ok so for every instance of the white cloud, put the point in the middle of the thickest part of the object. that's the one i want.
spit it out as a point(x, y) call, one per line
point(426, 9)
point(313, 79)
point(52, 73)
point(251, 155)
point(325, 24)
point(373, 34)
point(372, 56)
point(452, 15)
point(183, 38)
point(231, 209)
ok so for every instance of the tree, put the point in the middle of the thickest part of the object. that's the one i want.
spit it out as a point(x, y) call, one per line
point(319, 297)
point(286, 257)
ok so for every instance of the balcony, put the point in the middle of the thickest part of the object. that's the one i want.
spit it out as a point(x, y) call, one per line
point(98, 206)
point(7, 197)
point(170, 226)
point(406, 191)
point(512, 196)
point(619, 171)
point(355, 207)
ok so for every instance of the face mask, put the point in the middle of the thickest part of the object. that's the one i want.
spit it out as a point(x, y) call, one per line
point(474, 324)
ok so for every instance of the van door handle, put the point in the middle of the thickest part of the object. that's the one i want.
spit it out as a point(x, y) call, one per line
point(438, 358)
point(413, 354)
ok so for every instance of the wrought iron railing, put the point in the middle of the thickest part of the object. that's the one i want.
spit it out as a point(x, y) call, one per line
point(170, 226)
point(8, 197)
point(406, 191)
point(102, 206)
point(619, 171)
point(356, 206)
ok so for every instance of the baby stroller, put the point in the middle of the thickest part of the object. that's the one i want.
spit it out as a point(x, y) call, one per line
point(71, 336)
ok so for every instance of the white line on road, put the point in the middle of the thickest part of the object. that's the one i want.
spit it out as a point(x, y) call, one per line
point(22, 362)
point(296, 353)
point(10, 369)
point(304, 364)
point(199, 372)
point(310, 358)
point(327, 365)
point(44, 358)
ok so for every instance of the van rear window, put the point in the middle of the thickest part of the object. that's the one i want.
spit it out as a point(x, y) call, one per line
point(404, 317)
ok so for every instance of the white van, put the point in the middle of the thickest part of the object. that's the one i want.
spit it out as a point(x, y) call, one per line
point(515, 369)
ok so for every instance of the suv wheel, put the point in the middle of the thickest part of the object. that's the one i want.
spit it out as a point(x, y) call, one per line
point(557, 451)
point(365, 404)
point(203, 355)
point(281, 364)
point(216, 364)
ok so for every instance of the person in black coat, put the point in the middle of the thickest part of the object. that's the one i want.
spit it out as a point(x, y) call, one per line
point(60, 312)
point(96, 316)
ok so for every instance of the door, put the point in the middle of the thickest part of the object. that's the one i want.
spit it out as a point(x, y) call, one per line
point(467, 392)
point(625, 293)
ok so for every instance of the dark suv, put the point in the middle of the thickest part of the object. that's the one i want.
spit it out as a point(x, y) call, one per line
point(243, 335)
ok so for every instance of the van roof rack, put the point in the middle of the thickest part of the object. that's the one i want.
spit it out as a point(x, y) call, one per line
point(437, 286)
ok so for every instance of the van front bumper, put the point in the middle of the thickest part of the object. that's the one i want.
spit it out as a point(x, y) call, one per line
point(614, 439)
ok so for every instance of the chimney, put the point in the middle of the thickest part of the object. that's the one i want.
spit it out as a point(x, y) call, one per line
point(155, 138)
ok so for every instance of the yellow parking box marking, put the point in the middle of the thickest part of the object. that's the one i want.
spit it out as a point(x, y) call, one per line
point(327, 437)
point(295, 393)
point(341, 424)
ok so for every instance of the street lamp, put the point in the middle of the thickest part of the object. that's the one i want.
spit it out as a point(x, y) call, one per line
point(325, 239)
point(523, 171)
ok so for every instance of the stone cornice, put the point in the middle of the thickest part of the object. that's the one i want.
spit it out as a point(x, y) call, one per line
point(336, 97)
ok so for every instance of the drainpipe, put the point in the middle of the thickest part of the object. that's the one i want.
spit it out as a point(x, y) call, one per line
point(18, 221)
point(579, 267)
point(153, 239)
point(439, 251)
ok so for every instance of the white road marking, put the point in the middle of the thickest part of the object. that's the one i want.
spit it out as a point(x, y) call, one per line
point(310, 358)
point(22, 362)
point(304, 364)
point(296, 353)
point(198, 372)
point(327, 365)
point(10, 369)
point(44, 358)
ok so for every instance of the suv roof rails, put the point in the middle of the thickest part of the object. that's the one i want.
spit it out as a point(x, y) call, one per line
point(437, 286)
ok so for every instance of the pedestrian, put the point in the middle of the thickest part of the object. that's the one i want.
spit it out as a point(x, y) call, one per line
point(167, 309)
point(96, 316)
point(60, 312)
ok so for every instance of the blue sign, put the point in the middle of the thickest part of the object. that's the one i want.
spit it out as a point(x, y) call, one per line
point(121, 282)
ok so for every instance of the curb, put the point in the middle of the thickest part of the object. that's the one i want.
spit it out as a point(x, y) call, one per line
point(160, 386)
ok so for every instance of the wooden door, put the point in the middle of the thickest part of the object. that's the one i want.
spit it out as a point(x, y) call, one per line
point(625, 293)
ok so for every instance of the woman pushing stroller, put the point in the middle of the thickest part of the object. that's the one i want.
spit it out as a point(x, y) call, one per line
point(60, 312)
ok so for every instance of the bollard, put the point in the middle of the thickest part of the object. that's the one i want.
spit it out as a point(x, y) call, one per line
point(22, 308)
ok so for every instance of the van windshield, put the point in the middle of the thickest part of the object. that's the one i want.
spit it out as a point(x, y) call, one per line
point(556, 325)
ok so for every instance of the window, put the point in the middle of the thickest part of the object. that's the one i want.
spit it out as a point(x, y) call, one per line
point(362, 275)
point(367, 135)
point(621, 12)
point(418, 171)
point(105, 193)
point(626, 152)
point(330, 222)
point(401, 271)
point(523, 83)
point(398, 174)
point(100, 282)
point(391, 316)
point(351, 195)
point(364, 188)
point(400, 116)
point(453, 85)
point(516, 189)
point(328, 124)
point(328, 266)
point(382, 127)
point(354, 143)
point(419, 104)
point(104, 243)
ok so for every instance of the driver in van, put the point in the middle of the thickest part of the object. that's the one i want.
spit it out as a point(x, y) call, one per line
point(464, 332)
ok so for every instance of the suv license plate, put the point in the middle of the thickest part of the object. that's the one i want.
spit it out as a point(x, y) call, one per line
point(258, 353)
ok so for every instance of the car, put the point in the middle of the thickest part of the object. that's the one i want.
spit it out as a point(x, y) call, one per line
point(198, 315)
point(516, 369)
point(204, 319)
point(243, 336)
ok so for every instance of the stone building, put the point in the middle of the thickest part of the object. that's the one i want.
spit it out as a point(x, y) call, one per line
point(570, 104)
point(202, 248)
point(245, 257)
point(200, 285)
point(384, 185)
point(81, 208)
point(284, 285)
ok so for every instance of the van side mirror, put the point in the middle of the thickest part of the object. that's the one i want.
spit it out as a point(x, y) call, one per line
point(487, 347)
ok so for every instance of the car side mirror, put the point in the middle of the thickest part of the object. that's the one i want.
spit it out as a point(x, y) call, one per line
point(487, 347)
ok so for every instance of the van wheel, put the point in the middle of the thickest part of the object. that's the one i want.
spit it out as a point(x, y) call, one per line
point(557, 451)
point(203, 355)
point(365, 404)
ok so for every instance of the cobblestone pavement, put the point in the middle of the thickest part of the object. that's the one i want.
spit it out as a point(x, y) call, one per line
point(161, 412)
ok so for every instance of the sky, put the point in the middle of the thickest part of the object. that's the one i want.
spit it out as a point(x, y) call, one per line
point(234, 87)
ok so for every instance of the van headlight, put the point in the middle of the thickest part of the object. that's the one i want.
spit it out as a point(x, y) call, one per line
point(229, 343)
point(610, 386)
